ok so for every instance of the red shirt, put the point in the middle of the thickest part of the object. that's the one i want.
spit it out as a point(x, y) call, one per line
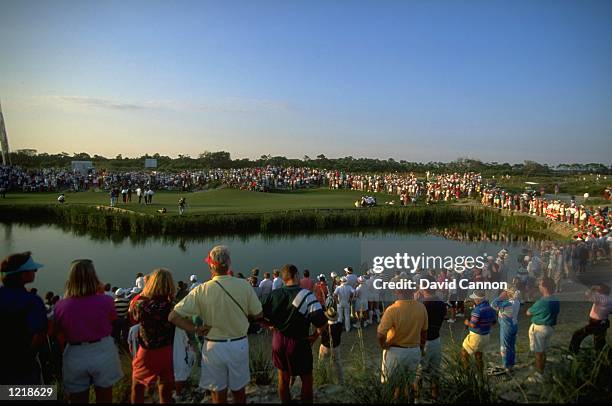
point(306, 283)
point(321, 292)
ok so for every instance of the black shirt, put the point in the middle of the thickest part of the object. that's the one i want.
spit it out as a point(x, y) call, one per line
point(291, 309)
point(436, 313)
point(336, 332)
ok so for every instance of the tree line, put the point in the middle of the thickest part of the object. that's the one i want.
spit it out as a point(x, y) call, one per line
point(222, 159)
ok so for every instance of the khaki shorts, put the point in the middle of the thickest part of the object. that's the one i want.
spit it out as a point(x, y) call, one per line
point(475, 342)
point(539, 337)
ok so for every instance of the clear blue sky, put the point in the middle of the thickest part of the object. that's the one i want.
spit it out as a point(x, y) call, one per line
point(418, 80)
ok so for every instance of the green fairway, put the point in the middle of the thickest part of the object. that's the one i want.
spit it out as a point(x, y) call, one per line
point(212, 201)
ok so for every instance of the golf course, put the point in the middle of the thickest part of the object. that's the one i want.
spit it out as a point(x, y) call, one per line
point(221, 200)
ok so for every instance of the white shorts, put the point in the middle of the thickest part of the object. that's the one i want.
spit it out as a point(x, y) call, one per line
point(539, 337)
point(405, 358)
point(183, 356)
point(225, 365)
point(87, 364)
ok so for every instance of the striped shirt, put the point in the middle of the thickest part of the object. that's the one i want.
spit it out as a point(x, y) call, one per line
point(482, 318)
point(121, 306)
point(291, 310)
point(602, 307)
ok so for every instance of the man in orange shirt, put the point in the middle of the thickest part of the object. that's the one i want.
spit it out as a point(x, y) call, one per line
point(402, 334)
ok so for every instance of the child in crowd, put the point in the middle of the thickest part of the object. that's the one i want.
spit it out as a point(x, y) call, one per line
point(330, 342)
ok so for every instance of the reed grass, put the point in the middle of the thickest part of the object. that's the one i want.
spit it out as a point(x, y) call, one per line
point(260, 362)
point(92, 220)
point(585, 378)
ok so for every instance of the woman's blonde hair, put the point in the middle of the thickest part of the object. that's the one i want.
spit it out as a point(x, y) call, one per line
point(159, 284)
point(82, 279)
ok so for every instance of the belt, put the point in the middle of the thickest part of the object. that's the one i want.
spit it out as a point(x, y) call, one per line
point(399, 346)
point(226, 340)
point(86, 342)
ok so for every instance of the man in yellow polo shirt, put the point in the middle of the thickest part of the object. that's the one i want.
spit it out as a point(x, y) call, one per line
point(226, 305)
point(402, 334)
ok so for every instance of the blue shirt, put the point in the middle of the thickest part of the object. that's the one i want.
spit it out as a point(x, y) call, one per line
point(482, 318)
point(22, 315)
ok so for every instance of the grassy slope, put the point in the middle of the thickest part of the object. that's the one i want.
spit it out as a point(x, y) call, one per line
point(213, 201)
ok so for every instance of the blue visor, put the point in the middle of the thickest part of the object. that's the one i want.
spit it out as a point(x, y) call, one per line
point(30, 265)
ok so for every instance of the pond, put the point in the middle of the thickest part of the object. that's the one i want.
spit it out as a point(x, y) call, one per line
point(118, 260)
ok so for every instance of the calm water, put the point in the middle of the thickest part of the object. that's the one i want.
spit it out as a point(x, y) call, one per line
point(118, 261)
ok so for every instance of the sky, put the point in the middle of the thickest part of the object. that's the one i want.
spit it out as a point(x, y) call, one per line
point(430, 80)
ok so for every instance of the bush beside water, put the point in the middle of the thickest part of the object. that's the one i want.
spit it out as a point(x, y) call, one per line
point(289, 221)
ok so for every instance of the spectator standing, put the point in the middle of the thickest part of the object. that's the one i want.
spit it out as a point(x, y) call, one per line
point(266, 286)
point(598, 323)
point(330, 342)
point(479, 326)
point(277, 282)
point(343, 296)
point(543, 315)
point(227, 305)
point(351, 278)
point(508, 305)
point(291, 310)
point(306, 282)
point(121, 325)
point(24, 320)
point(182, 291)
point(85, 319)
point(153, 362)
point(432, 353)
point(321, 290)
point(194, 282)
point(402, 334)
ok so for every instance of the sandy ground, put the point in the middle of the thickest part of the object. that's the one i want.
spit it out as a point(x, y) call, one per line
point(573, 315)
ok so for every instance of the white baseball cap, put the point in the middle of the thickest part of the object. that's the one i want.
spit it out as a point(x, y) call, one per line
point(193, 278)
point(477, 295)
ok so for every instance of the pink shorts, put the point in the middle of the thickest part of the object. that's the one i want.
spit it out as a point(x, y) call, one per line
point(148, 365)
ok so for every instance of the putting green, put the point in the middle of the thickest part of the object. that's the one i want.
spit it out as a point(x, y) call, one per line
point(211, 201)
